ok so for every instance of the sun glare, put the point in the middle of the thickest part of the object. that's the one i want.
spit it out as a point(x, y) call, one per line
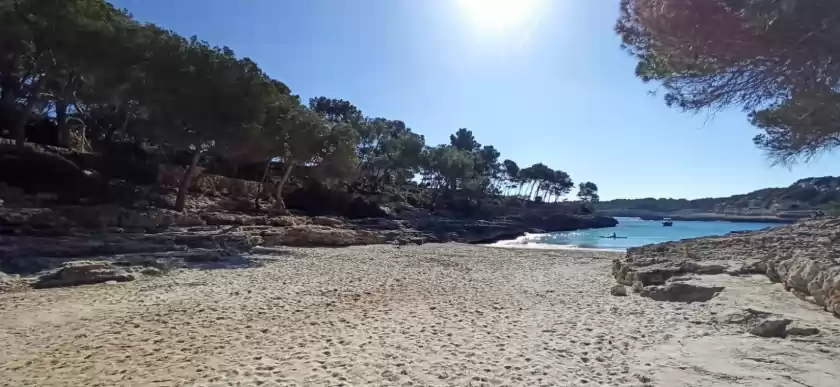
point(501, 16)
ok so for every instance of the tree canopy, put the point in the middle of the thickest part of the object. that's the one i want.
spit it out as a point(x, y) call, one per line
point(97, 77)
point(777, 59)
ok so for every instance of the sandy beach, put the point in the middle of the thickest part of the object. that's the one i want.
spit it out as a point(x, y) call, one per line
point(432, 315)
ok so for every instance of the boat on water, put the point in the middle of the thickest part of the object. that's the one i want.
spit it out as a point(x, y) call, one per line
point(667, 222)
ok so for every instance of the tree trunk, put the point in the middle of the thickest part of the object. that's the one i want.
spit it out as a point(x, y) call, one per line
point(533, 185)
point(63, 136)
point(279, 203)
point(8, 86)
point(185, 182)
point(521, 186)
point(263, 188)
point(19, 130)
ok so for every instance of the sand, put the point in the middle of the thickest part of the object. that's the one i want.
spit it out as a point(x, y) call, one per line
point(433, 315)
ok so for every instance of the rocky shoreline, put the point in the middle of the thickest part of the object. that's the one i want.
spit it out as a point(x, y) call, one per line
point(802, 257)
point(42, 247)
point(698, 216)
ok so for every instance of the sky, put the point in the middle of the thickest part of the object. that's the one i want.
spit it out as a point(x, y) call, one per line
point(541, 80)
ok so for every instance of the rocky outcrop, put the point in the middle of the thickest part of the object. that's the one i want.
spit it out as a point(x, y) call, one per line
point(82, 273)
point(803, 257)
point(56, 173)
point(681, 292)
point(60, 220)
point(313, 235)
point(509, 227)
point(618, 290)
point(764, 324)
point(144, 240)
point(5, 282)
point(771, 327)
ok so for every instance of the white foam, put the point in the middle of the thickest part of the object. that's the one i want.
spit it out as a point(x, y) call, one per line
point(533, 241)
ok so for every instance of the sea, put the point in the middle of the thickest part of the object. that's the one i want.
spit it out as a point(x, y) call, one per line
point(636, 232)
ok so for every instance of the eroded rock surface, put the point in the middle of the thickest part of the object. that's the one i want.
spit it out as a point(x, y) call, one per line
point(618, 290)
point(771, 327)
point(35, 240)
point(82, 273)
point(313, 235)
point(681, 292)
point(803, 257)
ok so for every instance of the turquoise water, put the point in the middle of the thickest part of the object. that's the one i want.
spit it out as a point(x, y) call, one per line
point(638, 233)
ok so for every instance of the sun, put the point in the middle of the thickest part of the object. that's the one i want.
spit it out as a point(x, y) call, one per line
point(501, 16)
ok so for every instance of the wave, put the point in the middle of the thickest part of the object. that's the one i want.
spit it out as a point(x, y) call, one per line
point(537, 241)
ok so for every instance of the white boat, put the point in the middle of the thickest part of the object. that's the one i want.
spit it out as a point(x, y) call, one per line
point(667, 222)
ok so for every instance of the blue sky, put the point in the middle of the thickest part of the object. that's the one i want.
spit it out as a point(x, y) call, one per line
point(552, 86)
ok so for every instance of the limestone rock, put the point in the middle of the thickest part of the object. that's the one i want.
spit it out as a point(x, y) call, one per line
point(313, 236)
point(37, 218)
point(638, 286)
point(771, 327)
point(802, 331)
point(229, 219)
point(801, 256)
point(82, 273)
point(681, 292)
point(327, 221)
point(201, 255)
point(5, 282)
point(287, 221)
point(380, 224)
point(749, 317)
point(618, 290)
point(151, 271)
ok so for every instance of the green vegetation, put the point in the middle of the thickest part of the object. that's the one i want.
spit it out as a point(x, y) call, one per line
point(81, 74)
point(805, 194)
point(777, 59)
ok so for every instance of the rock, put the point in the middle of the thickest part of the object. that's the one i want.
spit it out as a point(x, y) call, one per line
point(5, 282)
point(222, 219)
point(801, 256)
point(200, 256)
point(82, 273)
point(681, 292)
point(313, 236)
point(618, 290)
point(316, 199)
point(151, 271)
point(35, 218)
point(749, 317)
point(237, 204)
point(446, 228)
point(327, 221)
point(832, 303)
point(638, 286)
point(771, 327)
point(802, 331)
point(286, 221)
point(56, 173)
point(379, 224)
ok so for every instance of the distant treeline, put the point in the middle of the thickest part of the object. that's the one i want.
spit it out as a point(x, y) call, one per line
point(815, 192)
